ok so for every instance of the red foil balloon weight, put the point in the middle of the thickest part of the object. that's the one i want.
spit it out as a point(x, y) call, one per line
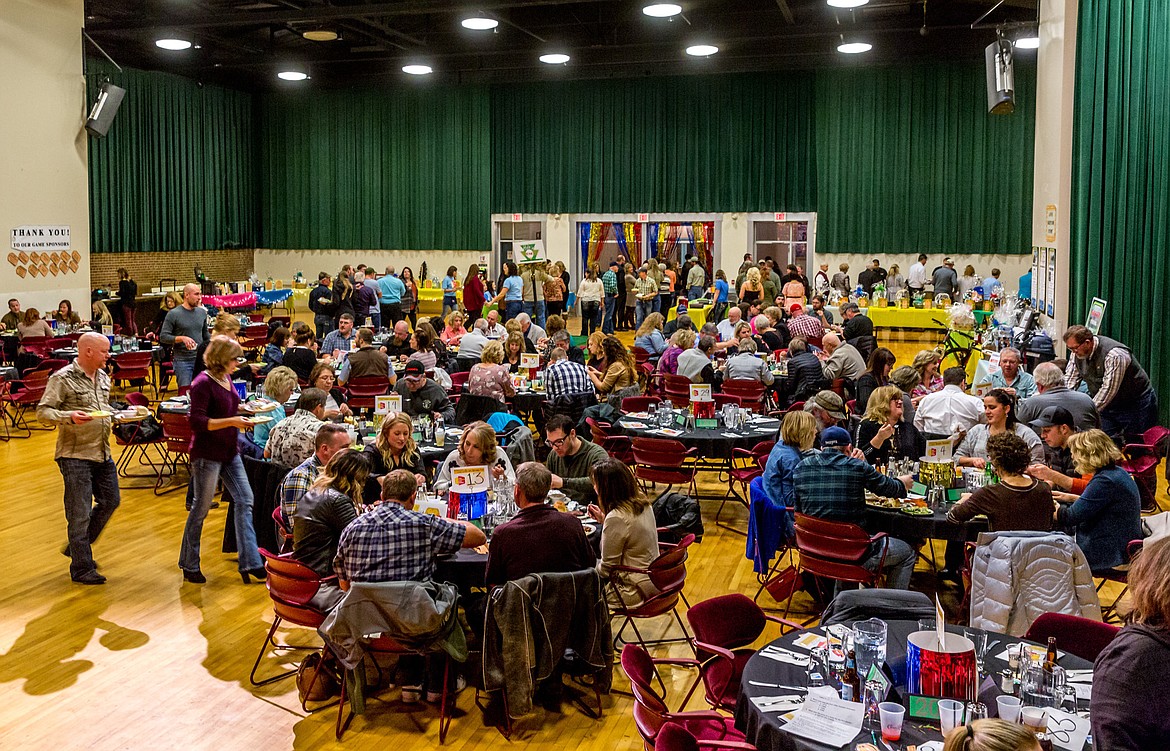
point(947, 671)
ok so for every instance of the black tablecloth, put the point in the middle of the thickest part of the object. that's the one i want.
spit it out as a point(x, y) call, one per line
point(714, 443)
point(765, 730)
point(907, 527)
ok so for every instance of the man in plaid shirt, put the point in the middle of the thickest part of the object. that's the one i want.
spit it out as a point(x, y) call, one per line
point(564, 377)
point(803, 324)
point(396, 543)
point(609, 283)
point(831, 485)
point(331, 438)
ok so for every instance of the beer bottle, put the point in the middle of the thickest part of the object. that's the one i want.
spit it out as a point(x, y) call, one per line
point(850, 680)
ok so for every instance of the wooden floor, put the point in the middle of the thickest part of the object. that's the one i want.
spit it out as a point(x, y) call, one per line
point(147, 661)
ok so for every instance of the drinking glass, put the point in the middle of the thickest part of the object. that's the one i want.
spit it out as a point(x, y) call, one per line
point(926, 624)
point(1009, 708)
point(976, 710)
point(1034, 718)
point(950, 715)
point(1066, 699)
point(872, 697)
point(891, 716)
point(979, 639)
point(869, 644)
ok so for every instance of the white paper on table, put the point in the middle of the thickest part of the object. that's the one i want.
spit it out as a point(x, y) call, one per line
point(839, 631)
point(810, 640)
point(632, 424)
point(1037, 652)
point(827, 719)
point(730, 435)
point(1067, 730)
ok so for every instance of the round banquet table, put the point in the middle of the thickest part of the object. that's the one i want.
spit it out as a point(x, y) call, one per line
point(712, 443)
point(766, 730)
point(906, 527)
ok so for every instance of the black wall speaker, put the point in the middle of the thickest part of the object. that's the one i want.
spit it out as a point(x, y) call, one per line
point(101, 117)
point(1001, 89)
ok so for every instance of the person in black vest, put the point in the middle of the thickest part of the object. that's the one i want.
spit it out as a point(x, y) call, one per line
point(1116, 380)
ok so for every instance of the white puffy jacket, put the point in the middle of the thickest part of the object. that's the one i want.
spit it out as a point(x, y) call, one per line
point(1016, 576)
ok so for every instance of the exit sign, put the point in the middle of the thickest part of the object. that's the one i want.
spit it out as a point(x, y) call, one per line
point(517, 217)
point(643, 217)
point(780, 216)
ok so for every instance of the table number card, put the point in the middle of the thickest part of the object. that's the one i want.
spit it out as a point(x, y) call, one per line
point(941, 450)
point(701, 392)
point(107, 330)
point(529, 360)
point(384, 405)
point(519, 382)
point(474, 479)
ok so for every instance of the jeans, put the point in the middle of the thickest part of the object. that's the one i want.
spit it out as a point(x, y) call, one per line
point(1130, 418)
point(717, 312)
point(659, 303)
point(589, 314)
point(91, 495)
point(899, 563)
point(512, 308)
point(642, 309)
point(449, 305)
point(184, 369)
point(323, 323)
point(204, 475)
point(535, 311)
point(610, 303)
point(694, 293)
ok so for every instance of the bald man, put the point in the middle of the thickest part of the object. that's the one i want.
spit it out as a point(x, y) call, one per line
point(72, 395)
point(183, 330)
point(840, 359)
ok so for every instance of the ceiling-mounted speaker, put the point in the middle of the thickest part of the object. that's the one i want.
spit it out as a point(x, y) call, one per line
point(1001, 89)
point(101, 117)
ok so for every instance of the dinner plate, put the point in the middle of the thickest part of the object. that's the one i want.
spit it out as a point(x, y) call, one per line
point(261, 406)
point(259, 419)
point(916, 511)
point(98, 414)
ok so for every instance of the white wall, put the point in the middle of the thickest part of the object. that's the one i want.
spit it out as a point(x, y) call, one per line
point(43, 144)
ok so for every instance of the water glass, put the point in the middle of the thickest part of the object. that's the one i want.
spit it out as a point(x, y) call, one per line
point(979, 639)
point(926, 624)
point(869, 644)
point(976, 710)
point(950, 715)
point(1040, 687)
point(1034, 718)
point(873, 695)
point(1009, 708)
point(1066, 699)
point(891, 716)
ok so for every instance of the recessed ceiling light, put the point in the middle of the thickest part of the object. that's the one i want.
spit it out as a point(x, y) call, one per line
point(702, 50)
point(479, 23)
point(847, 3)
point(416, 70)
point(1029, 42)
point(854, 47)
point(320, 35)
point(662, 10)
point(172, 44)
point(555, 58)
point(292, 75)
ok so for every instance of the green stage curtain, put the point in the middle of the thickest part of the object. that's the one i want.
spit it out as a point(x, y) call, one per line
point(729, 143)
point(1120, 193)
point(910, 161)
point(176, 170)
point(403, 169)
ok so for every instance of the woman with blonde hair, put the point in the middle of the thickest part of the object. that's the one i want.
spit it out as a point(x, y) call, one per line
point(649, 335)
point(926, 362)
point(514, 346)
point(883, 433)
point(170, 301)
point(454, 331)
point(996, 735)
point(840, 283)
point(752, 288)
point(895, 283)
point(798, 434)
point(214, 457)
point(101, 315)
point(490, 377)
point(225, 324)
point(279, 386)
point(968, 281)
point(629, 535)
point(596, 351)
point(1107, 515)
point(330, 504)
point(393, 449)
point(477, 447)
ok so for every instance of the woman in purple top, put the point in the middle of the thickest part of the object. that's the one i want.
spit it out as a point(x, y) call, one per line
point(215, 426)
point(680, 341)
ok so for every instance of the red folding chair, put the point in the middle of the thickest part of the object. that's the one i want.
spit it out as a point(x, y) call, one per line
point(675, 737)
point(1141, 461)
point(135, 446)
point(177, 442)
point(640, 355)
point(835, 550)
point(750, 393)
point(754, 460)
point(668, 574)
point(363, 390)
point(284, 533)
point(132, 368)
point(458, 382)
point(638, 403)
point(1082, 637)
point(661, 460)
point(609, 438)
point(23, 397)
point(677, 389)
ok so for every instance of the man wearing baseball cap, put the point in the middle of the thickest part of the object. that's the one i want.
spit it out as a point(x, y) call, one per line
point(422, 397)
point(804, 324)
point(831, 485)
point(828, 408)
point(1055, 425)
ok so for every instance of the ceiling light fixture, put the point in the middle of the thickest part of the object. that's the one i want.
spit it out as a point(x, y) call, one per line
point(1030, 41)
point(292, 75)
point(479, 23)
point(416, 70)
point(847, 3)
point(662, 10)
point(174, 45)
point(320, 35)
point(555, 58)
point(702, 50)
point(853, 46)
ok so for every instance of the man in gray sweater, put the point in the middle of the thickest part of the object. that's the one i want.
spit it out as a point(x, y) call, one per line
point(183, 330)
point(571, 459)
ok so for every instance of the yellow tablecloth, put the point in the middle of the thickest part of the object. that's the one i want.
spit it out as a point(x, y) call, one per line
point(430, 300)
point(698, 315)
point(913, 318)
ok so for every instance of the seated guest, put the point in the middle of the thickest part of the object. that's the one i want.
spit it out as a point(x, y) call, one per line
point(805, 376)
point(292, 440)
point(681, 322)
point(621, 371)
point(571, 459)
point(820, 312)
point(323, 513)
point(743, 331)
point(926, 363)
point(366, 361)
point(905, 377)
point(274, 349)
point(695, 364)
point(490, 377)
point(727, 326)
point(13, 317)
point(564, 341)
point(944, 412)
point(32, 325)
point(831, 485)
point(324, 379)
point(883, 433)
point(279, 386)
point(425, 331)
point(331, 439)
point(1129, 711)
point(828, 409)
point(513, 327)
point(649, 336)
point(472, 343)
point(840, 359)
point(539, 539)
point(596, 351)
point(494, 329)
point(553, 324)
point(1010, 377)
point(629, 534)
point(422, 342)
point(1107, 515)
point(746, 365)
point(513, 348)
point(1055, 425)
point(65, 315)
point(477, 447)
point(992, 735)
point(680, 342)
point(101, 315)
point(454, 331)
point(393, 542)
point(394, 449)
point(302, 356)
point(999, 409)
point(564, 378)
point(877, 373)
point(1051, 392)
point(531, 331)
point(771, 338)
point(341, 339)
point(397, 347)
point(422, 397)
point(798, 433)
point(1016, 502)
point(711, 330)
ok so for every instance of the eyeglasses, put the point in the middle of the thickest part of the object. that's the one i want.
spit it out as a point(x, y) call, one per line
point(557, 443)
